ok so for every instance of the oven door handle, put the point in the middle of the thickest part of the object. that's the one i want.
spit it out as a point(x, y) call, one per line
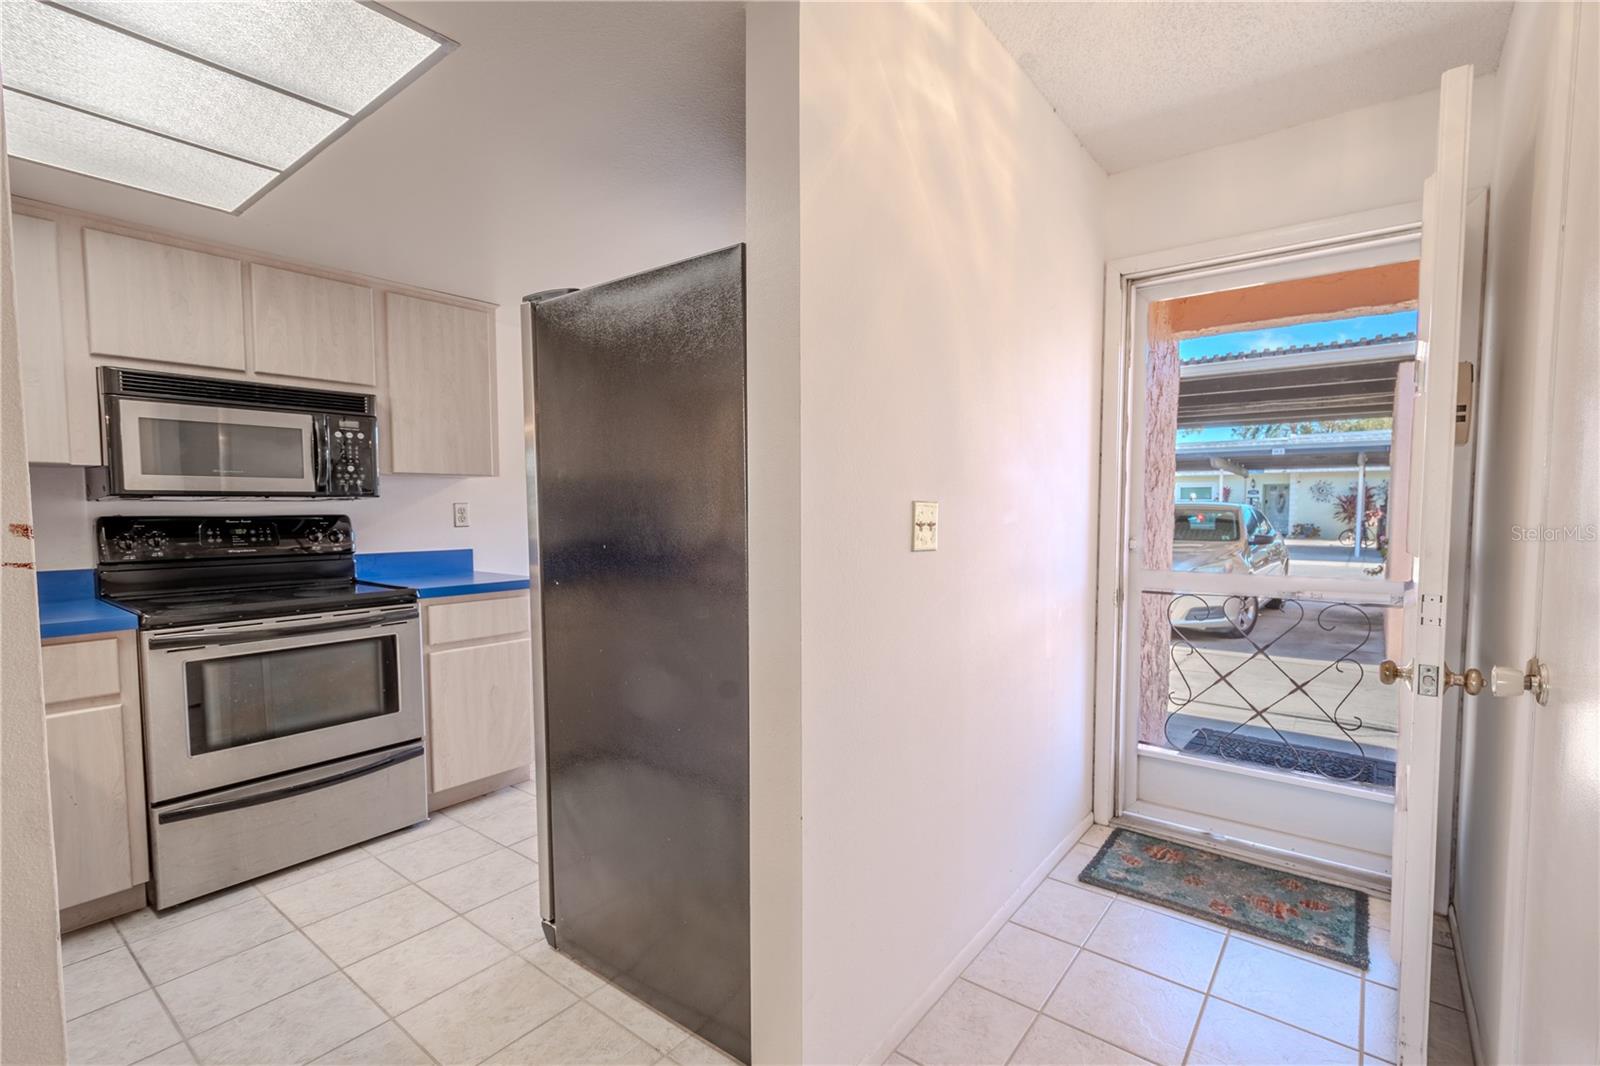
point(200, 810)
point(255, 636)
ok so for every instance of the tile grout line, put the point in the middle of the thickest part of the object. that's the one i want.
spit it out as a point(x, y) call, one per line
point(1205, 997)
point(296, 928)
point(183, 1038)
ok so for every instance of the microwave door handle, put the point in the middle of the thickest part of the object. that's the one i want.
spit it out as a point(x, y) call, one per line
point(322, 449)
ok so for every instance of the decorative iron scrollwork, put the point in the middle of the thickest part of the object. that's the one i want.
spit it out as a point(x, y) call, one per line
point(1289, 751)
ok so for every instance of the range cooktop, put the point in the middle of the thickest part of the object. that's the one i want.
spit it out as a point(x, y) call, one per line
point(176, 571)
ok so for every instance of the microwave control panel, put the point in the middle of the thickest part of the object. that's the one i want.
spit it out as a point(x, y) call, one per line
point(351, 464)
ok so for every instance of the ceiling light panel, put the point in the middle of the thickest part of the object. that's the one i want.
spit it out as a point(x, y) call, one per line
point(342, 54)
point(72, 140)
point(212, 102)
point(69, 60)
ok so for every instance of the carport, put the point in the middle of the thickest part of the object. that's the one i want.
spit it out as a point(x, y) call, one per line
point(1366, 378)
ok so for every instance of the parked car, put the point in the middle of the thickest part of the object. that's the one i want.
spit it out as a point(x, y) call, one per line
point(1223, 538)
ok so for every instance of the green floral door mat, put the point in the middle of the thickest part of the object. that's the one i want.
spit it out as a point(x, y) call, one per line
point(1302, 912)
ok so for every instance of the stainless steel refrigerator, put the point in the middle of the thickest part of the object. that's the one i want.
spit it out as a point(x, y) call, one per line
point(636, 475)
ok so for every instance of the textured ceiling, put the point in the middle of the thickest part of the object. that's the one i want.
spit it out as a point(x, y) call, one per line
point(1143, 82)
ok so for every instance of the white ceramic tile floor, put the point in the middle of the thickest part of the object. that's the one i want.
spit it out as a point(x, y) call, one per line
point(1080, 976)
point(422, 947)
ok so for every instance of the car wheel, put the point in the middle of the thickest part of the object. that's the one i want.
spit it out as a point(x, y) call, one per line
point(1245, 620)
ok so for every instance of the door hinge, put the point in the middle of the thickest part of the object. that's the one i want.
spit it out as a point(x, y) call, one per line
point(1430, 610)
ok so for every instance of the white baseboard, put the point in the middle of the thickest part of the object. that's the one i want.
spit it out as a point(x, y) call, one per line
point(947, 976)
point(1460, 955)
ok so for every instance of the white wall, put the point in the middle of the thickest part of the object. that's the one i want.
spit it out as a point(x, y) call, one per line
point(948, 349)
point(1355, 161)
point(1525, 901)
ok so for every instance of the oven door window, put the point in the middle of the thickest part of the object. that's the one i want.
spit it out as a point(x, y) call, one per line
point(245, 699)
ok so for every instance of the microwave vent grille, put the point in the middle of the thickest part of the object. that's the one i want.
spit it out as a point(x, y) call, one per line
point(149, 384)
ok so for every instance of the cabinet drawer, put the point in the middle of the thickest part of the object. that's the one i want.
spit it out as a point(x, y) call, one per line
point(500, 616)
point(81, 670)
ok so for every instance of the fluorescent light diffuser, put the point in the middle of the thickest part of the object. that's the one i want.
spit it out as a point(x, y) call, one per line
point(73, 140)
point(237, 94)
point(56, 55)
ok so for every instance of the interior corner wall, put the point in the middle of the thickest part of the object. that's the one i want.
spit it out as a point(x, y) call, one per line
point(950, 284)
point(1358, 160)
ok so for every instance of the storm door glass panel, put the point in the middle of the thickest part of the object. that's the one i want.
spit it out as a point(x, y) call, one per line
point(243, 699)
point(175, 447)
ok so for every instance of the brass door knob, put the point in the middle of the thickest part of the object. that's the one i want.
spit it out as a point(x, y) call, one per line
point(1471, 682)
point(1389, 672)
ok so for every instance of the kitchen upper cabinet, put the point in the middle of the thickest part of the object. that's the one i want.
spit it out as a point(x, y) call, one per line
point(479, 664)
point(41, 339)
point(441, 387)
point(163, 303)
point(311, 327)
point(93, 740)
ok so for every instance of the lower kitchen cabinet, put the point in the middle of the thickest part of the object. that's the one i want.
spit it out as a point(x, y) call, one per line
point(479, 666)
point(93, 730)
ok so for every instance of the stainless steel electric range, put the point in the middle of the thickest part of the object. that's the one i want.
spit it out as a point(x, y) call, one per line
point(283, 706)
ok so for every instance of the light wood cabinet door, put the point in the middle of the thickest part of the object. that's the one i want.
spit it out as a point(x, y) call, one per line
point(163, 303)
point(441, 387)
point(89, 802)
point(41, 339)
point(304, 326)
point(480, 711)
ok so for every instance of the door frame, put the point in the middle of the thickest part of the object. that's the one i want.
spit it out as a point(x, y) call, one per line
point(1310, 239)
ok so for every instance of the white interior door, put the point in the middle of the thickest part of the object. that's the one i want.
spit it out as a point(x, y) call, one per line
point(1421, 701)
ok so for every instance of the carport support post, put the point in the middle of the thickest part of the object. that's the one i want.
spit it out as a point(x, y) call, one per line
point(1361, 501)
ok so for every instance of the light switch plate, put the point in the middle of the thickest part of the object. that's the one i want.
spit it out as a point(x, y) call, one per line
point(463, 517)
point(924, 525)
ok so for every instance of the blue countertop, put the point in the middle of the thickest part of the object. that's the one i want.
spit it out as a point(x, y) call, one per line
point(435, 573)
point(68, 606)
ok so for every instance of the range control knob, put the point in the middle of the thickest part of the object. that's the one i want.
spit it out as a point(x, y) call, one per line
point(314, 534)
point(336, 535)
point(124, 542)
point(155, 541)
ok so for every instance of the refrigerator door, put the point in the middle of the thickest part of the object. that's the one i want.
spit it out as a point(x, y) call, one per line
point(637, 482)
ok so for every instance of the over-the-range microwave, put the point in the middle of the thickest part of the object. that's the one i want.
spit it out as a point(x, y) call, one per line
point(175, 435)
